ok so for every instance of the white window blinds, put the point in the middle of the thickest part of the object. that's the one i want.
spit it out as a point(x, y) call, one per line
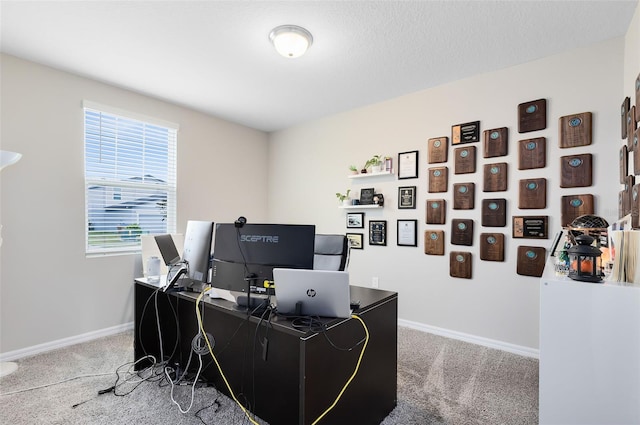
point(130, 179)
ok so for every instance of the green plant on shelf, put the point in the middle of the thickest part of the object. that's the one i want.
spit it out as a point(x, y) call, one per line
point(343, 197)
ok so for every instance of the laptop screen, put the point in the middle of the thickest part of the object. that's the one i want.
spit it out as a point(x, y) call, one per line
point(167, 249)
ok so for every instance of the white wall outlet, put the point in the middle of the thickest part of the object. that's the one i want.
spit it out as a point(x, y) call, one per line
point(374, 282)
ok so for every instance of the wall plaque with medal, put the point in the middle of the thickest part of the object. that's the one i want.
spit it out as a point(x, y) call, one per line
point(434, 242)
point(532, 153)
point(495, 177)
point(436, 211)
point(576, 170)
point(465, 160)
point(492, 246)
point(438, 149)
point(496, 142)
point(462, 232)
point(531, 260)
point(532, 116)
point(494, 212)
point(464, 196)
point(575, 130)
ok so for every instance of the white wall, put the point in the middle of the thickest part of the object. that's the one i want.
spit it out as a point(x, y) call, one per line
point(632, 56)
point(309, 165)
point(48, 289)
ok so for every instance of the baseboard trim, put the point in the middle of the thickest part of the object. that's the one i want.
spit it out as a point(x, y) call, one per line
point(473, 339)
point(65, 342)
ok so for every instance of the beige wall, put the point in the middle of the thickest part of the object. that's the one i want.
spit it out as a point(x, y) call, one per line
point(48, 289)
point(309, 165)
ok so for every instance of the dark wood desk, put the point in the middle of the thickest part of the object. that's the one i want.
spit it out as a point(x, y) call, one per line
point(302, 373)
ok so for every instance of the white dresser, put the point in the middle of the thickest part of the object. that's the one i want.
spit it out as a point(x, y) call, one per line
point(589, 352)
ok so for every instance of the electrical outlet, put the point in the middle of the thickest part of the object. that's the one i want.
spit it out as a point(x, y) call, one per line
point(374, 282)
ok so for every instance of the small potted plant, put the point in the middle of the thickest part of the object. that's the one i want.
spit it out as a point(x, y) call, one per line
point(344, 198)
point(353, 169)
point(375, 163)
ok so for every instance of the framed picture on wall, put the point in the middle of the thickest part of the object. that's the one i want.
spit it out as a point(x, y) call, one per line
point(407, 232)
point(355, 220)
point(408, 165)
point(407, 197)
point(378, 232)
point(355, 240)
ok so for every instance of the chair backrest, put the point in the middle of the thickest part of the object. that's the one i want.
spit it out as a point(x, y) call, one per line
point(331, 252)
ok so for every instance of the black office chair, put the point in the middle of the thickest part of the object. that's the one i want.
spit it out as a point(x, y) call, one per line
point(331, 252)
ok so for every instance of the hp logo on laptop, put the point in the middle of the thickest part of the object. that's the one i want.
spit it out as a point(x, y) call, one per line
point(311, 293)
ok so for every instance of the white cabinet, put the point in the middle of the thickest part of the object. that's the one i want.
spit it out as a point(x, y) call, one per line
point(589, 352)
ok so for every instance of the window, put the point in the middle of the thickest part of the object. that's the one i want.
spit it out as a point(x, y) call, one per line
point(130, 179)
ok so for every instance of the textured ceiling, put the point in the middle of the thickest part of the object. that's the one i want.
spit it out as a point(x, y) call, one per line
point(215, 56)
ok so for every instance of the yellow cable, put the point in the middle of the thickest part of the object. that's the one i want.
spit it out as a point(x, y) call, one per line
point(366, 341)
point(216, 360)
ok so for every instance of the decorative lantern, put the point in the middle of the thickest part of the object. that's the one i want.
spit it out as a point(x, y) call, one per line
point(585, 263)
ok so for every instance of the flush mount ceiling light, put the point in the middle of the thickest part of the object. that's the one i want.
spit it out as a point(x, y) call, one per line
point(291, 41)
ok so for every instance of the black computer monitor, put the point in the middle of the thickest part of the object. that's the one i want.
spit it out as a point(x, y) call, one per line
point(245, 256)
point(197, 252)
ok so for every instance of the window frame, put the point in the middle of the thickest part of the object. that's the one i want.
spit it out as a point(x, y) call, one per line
point(126, 240)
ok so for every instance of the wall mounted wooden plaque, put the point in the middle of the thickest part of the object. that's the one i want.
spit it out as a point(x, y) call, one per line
point(438, 180)
point(621, 204)
point(629, 184)
point(495, 142)
point(492, 246)
point(532, 193)
point(632, 124)
point(465, 160)
point(635, 206)
point(624, 163)
point(460, 264)
point(532, 116)
point(636, 153)
point(438, 149)
point(434, 242)
point(575, 130)
point(436, 211)
point(495, 177)
point(462, 231)
point(573, 206)
point(465, 133)
point(531, 226)
point(637, 84)
point(531, 260)
point(624, 110)
point(576, 170)
point(494, 212)
point(532, 153)
point(464, 196)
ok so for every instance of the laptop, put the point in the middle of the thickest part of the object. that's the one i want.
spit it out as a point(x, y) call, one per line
point(322, 293)
point(171, 257)
point(167, 249)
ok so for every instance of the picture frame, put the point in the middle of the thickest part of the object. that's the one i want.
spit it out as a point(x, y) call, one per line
point(355, 240)
point(408, 165)
point(378, 232)
point(407, 234)
point(407, 197)
point(366, 196)
point(355, 220)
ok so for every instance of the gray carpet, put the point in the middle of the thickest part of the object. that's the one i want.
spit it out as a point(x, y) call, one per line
point(440, 381)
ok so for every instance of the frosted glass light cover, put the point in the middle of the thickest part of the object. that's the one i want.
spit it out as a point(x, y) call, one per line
point(291, 41)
